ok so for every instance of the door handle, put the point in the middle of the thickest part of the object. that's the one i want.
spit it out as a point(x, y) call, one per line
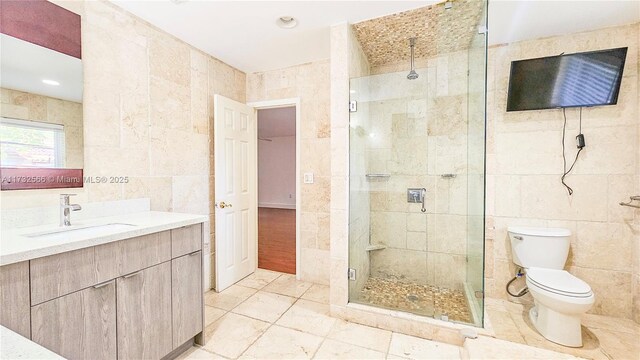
point(223, 205)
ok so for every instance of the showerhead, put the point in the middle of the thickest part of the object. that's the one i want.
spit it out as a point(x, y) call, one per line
point(412, 74)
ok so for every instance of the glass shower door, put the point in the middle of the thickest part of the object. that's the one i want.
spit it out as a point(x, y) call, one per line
point(389, 148)
point(412, 134)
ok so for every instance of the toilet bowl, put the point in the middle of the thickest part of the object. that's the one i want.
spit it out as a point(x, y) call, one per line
point(560, 297)
point(560, 300)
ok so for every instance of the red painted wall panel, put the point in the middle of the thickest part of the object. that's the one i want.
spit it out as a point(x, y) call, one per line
point(42, 23)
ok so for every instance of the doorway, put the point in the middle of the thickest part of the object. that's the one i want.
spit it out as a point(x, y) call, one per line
point(277, 188)
point(236, 192)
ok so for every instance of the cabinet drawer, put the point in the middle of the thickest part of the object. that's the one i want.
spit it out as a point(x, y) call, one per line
point(81, 325)
point(186, 297)
point(14, 298)
point(57, 275)
point(185, 240)
point(130, 255)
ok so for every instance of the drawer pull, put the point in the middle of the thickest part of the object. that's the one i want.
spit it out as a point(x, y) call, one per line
point(194, 253)
point(103, 284)
point(131, 275)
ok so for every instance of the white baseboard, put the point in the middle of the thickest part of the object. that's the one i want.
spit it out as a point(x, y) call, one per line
point(277, 206)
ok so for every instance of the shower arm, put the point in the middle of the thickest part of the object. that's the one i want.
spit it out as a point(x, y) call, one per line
point(412, 61)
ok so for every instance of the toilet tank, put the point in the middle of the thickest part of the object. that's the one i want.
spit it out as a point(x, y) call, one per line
point(539, 247)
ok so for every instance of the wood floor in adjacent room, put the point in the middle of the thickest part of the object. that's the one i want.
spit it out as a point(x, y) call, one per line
point(277, 239)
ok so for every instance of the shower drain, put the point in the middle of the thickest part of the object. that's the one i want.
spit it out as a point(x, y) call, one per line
point(412, 297)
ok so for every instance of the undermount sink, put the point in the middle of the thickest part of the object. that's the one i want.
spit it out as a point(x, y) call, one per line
point(79, 231)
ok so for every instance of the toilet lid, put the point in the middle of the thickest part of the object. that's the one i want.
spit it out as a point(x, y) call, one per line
point(558, 281)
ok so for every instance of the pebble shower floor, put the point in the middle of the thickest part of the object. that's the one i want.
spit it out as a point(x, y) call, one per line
point(419, 299)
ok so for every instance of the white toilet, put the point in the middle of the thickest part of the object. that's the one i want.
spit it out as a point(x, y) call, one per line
point(560, 298)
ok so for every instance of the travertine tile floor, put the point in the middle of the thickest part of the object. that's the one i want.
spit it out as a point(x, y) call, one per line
point(270, 315)
point(604, 337)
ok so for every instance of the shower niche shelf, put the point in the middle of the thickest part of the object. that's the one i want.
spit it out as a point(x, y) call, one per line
point(377, 177)
point(375, 247)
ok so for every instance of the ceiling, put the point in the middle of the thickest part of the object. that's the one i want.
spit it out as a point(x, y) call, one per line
point(24, 65)
point(511, 20)
point(244, 34)
point(277, 122)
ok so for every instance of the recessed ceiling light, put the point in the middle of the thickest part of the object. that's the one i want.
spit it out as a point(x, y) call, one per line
point(287, 22)
point(50, 82)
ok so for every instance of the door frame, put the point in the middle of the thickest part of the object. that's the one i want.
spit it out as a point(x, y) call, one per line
point(278, 103)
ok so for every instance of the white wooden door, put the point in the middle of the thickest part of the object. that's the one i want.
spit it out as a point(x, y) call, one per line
point(236, 193)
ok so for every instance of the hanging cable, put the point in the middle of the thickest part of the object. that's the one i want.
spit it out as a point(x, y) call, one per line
point(580, 140)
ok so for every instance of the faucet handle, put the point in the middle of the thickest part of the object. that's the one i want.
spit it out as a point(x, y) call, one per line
point(67, 195)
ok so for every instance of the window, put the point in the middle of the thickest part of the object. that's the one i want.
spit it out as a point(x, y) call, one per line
point(31, 144)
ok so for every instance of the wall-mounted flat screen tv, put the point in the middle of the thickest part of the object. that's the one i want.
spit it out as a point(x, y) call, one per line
point(571, 80)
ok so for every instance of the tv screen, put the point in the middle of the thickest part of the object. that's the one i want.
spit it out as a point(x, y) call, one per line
point(572, 80)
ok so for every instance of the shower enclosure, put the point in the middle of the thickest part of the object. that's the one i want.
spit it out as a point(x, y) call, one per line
point(411, 136)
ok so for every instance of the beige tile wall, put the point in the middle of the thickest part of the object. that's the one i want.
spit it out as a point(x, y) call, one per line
point(343, 60)
point(27, 106)
point(310, 83)
point(524, 164)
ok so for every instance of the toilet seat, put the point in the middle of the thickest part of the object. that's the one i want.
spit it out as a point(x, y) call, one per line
point(559, 282)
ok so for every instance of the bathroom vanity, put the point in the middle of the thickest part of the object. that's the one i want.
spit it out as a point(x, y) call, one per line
point(119, 287)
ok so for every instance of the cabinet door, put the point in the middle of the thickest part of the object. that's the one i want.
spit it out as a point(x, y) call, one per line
point(14, 298)
point(186, 296)
point(81, 325)
point(144, 313)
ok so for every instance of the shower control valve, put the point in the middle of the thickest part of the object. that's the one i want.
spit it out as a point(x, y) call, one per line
point(417, 196)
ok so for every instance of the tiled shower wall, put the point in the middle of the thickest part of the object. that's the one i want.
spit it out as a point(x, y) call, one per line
point(310, 83)
point(524, 164)
point(416, 136)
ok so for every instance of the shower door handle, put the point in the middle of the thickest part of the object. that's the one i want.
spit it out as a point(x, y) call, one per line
point(423, 195)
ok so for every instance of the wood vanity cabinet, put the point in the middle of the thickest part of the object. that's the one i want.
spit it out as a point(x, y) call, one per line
point(138, 298)
point(81, 325)
point(14, 298)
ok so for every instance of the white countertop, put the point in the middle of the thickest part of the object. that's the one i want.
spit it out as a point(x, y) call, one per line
point(16, 245)
point(14, 346)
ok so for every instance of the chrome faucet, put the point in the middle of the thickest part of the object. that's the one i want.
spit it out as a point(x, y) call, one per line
point(66, 209)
